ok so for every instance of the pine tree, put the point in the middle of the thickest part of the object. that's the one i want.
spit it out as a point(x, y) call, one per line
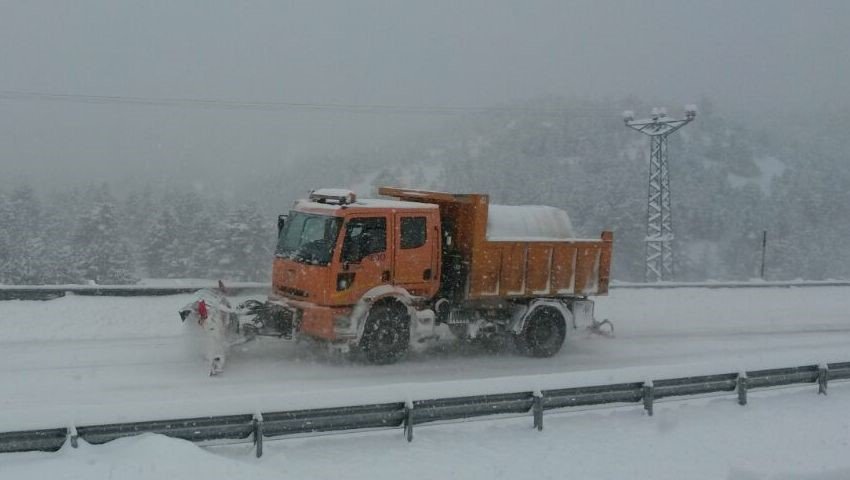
point(5, 238)
point(161, 247)
point(137, 215)
point(243, 250)
point(62, 210)
point(257, 245)
point(202, 236)
point(25, 261)
point(103, 255)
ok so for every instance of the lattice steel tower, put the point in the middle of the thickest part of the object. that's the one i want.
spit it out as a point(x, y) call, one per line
point(659, 217)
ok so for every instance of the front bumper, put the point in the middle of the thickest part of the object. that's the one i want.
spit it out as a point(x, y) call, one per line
point(319, 321)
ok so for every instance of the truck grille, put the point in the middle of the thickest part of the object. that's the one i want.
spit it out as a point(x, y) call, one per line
point(459, 317)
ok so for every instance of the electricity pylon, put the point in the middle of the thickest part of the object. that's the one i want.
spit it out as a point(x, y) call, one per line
point(659, 216)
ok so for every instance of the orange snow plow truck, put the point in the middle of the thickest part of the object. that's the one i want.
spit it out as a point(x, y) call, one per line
point(379, 276)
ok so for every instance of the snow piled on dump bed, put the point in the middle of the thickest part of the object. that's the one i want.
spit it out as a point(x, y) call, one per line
point(694, 439)
point(528, 223)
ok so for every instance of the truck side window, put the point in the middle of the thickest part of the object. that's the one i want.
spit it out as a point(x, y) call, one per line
point(363, 237)
point(413, 232)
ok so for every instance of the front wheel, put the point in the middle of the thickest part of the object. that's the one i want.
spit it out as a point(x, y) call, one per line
point(543, 334)
point(387, 334)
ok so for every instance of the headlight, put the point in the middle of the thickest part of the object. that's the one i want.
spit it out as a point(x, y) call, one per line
point(344, 280)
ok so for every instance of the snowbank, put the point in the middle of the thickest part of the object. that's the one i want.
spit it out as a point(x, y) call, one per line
point(136, 458)
point(694, 439)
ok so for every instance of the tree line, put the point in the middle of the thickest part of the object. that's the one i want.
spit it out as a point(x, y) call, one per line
point(92, 235)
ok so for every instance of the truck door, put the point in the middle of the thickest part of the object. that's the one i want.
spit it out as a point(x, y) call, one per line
point(365, 261)
point(416, 240)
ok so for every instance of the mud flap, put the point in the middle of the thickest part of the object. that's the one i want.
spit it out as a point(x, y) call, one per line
point(584, 315)
point(604, 328)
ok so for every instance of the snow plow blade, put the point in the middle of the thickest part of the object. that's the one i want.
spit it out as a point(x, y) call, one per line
point(225, 326)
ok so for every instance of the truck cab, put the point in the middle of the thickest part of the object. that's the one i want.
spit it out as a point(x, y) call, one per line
point(333, 250)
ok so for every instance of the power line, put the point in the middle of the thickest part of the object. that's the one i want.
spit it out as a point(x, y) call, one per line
point(211, 103)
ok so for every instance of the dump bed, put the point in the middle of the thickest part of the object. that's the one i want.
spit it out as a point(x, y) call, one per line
point(531, 265)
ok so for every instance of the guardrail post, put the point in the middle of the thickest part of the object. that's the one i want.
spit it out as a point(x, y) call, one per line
point(648, 396)
point(73, 436)
point(823, 378)
point(537, 409)
point(408, 420)
point(741, 388)
point(258, 433)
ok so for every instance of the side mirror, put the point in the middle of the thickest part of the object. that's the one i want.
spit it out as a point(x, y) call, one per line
point(281, 222)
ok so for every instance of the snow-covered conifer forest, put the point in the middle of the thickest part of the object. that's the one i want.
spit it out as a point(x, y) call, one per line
point(84, 235)
point(731, 179)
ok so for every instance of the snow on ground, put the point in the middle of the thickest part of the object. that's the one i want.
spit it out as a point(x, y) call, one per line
point(781, 435)
point(87, 360)
point(90, 318)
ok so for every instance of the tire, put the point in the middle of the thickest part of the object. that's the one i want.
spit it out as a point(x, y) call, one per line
point(386, 337)
point(543, 334)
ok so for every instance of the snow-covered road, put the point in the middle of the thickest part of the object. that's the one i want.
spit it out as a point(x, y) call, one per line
point(93, 360)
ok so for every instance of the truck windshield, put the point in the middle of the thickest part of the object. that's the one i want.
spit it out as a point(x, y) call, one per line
point(308, 238)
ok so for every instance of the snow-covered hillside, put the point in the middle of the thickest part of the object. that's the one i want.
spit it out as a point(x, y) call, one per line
point(729, 182)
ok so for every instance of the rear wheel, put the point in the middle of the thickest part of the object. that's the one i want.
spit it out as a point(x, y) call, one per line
point(543, 334)
point(387, 333)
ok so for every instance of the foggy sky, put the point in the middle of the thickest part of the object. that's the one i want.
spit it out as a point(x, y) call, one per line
point(747, 56)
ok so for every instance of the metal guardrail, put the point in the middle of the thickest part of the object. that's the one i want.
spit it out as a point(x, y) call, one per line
point(49, 292)
point(408, 414)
